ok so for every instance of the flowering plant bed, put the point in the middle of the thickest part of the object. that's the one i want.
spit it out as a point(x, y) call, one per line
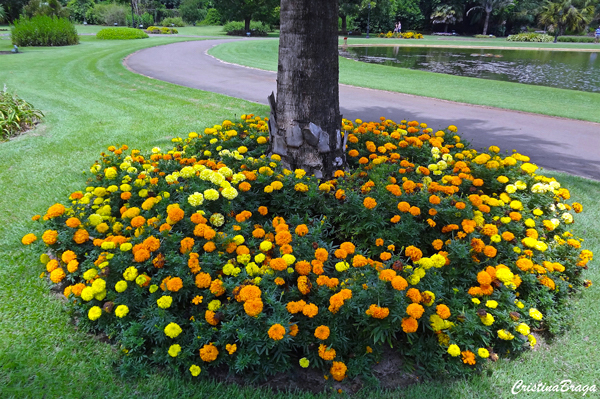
point(211, 255)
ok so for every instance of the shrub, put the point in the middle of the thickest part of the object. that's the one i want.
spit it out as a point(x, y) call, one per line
point(212, 255)
point(485, 37)
point(43, 31)
point(530, 37)
point(173, 21)
point(237, 28)
point(403, 35)
point(121, 34)
point(146, 19)
point(107, 14)
point(212, 17)
point(161, 30)
point(51, 8)
point(16, 115)
point(191, 11)
point(79, 8)
point(576, 39)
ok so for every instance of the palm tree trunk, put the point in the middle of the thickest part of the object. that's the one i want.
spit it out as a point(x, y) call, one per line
point(485, 24)
point(305, 119)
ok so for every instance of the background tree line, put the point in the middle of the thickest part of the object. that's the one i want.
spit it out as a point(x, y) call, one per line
point(498, 17)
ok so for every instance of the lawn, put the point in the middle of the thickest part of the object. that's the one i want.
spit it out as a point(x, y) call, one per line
point(528, 98)
point(91, 101)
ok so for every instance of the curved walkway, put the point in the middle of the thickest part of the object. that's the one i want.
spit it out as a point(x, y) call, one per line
point(553, 143)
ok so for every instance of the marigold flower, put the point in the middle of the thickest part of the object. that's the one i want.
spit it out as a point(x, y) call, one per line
point(310, 310)
point(326, 353)
point(321, 254)
point(468, 357)
point(399, 283)
point(414, 295)
point(409, 325)
point(443, 311)
point(415, 310)
point(378, 312)
point(338, 371)
point(209, 353)
point(94, 313)
point(122, 311)
point(253, 307)
point(28, 239)
point(276, 332)
point(322, 332)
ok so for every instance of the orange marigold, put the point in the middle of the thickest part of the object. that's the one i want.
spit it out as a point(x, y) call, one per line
point(415, 310)
point(321, 254)
point(326, 353)
point(369, 203)
point(304, 285)
point(203, 280)
point(186, 245)
point(209, 353)
point(174, 284)
point(278, 264)
point(253, 307)
point(322, 332)
point(414, 295)
point(303, 268)
point(377, 312)
point(409, 325)
point(310, 310)
point(399, 283)
point(414, 253)
point(338, 371)
point(301, 230)
point(468, 357)
point(387, 274)
point(276, 332)
point(443, 311)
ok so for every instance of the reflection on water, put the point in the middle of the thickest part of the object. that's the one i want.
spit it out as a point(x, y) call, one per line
point(563, 69)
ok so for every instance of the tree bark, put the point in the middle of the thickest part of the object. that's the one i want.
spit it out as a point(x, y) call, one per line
point(305, 120)
point(247, 24)
point(487, 20)
point(344, 18)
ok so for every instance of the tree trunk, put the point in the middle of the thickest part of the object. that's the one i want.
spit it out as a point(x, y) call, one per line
point(485, 24)
point(247, 24)
point(344, 24)
point(305, 120)
point(446, 28)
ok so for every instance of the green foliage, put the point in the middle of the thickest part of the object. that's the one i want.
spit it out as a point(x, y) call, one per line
point(2, 13)
point(121, 34)
point(16, 115)
point(107, 14)
point(161, 30)
point(576, 39)
point(236, 28)
point(213, 255)
point(51, 8)
point(44, 31)
point(79, 8)
point(241, 10)
point(175, 21)
point(146, 19)
point(530, 37)
point(485, 37)
point(213, 17)
point(191, 11)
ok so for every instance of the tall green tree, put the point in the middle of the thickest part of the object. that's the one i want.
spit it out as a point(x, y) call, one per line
point(246, 10)
point(488, 6)
point(348, 8)
point(445, 14)
point(13, 9)
point(566, 14)
point(2, 13)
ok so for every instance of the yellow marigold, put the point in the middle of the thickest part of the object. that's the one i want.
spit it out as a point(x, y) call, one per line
point(209, 353)
point(322, 332)
point(172, 330)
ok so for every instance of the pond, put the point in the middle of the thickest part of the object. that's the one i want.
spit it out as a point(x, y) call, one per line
point(562, 69)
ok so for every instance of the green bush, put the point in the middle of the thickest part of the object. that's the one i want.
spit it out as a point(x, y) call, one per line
point(107, 14)
point(236, 28)
point(146, 19)
point(191, 11)
point(43, 31)
point(485, 37)
point(213, 255)
point(212, 17)
point(177, 21)
point(121, 34)
point(79, 8)
point(530, 37)
point(16, 115)
point(157, 30)
point(576, 39)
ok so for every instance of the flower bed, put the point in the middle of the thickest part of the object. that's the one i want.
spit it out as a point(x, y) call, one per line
point(211, 254)
point(403, 35)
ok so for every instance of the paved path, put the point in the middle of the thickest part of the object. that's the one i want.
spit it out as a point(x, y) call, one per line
point(553, 143)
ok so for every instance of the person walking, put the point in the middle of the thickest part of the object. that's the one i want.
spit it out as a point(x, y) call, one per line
point(399, 27)
point(396, 28)
point(597, 35)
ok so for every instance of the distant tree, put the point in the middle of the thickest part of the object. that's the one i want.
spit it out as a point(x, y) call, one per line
point(348, 8)
point(565, 14)
point(192, 11)
point(51, 8)
point(409, 13)
point(488, 6)
point(13, 9)
point(246, 10)
point(445, 14)
point(2, 13)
